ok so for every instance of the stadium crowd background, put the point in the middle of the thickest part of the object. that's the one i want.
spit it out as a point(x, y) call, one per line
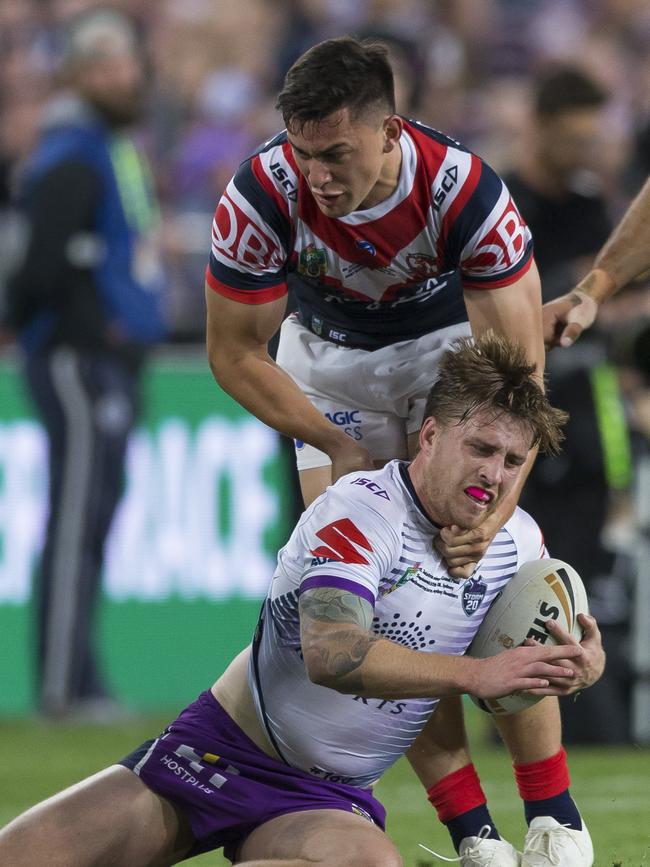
point(466, 67)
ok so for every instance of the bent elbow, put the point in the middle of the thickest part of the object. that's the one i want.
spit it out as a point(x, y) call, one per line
point(214, 362)
point(320, 674)
point(317, 673)
point(323, 675)
point(221, 366)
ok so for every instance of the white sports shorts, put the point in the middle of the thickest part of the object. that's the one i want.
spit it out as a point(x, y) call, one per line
point(377, 397)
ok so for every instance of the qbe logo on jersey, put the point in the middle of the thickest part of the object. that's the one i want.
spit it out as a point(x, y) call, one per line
point(473, 594)
point(502, 246)
point(240, 240)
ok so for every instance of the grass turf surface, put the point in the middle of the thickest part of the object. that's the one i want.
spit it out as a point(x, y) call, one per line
point(611, 786)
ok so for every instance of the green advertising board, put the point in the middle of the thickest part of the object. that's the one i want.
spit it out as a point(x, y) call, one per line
point(192, 548)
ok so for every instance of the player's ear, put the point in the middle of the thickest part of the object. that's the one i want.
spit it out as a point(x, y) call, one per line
point(427, 433)
point(393, 126)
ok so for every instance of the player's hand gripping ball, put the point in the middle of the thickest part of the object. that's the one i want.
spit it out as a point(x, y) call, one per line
point(541, 590)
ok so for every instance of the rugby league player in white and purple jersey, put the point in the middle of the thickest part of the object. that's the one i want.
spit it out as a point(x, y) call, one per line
point(362, 631)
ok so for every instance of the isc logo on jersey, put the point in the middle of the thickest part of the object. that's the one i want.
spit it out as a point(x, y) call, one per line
point(237, 240)
point(342, 542)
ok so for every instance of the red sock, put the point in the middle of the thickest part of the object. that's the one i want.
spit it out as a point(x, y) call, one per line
point(539, 780)
point(457, 793)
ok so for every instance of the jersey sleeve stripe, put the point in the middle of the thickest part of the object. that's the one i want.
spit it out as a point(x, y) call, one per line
point(250, 189)
point(491, 220)
point(340, 584)
point(259, 170)
point(466, 191)
point(522, 266)
point(456, 207)
point(261, 295)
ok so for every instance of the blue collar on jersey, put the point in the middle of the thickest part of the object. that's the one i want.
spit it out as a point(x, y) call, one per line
point(406, 478)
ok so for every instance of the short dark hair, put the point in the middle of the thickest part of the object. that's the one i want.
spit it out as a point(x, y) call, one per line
point(494, 374)
point(564, 88)
point(335, 74)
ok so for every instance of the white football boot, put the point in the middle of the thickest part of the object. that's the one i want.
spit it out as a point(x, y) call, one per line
point(482, 851)
point(550, 843)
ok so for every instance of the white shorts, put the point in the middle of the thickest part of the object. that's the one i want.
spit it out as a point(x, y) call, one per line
point(377, 397)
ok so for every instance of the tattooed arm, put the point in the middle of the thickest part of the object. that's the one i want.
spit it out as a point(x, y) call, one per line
point(625, 257)
point(342, 653)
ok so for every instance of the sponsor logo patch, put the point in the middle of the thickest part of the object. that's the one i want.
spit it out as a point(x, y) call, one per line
point(406, 576)
point(312, 261)
point(421, 265)
point(366, 246)
point(342, 417)
point(473, 594)
point(342, 542)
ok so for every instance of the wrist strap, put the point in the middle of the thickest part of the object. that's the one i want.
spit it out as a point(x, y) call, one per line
point(598, 285)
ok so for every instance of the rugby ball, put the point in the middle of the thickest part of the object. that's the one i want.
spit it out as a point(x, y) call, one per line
point(541, 590)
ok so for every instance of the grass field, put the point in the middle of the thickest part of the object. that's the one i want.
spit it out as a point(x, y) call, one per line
point(611, 785)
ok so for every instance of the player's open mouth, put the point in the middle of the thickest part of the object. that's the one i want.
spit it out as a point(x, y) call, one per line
point(479, 495)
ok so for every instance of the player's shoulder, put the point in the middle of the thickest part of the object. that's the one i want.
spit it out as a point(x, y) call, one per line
point(270, 164)
point(429, 137)
point(526, 535)
point(454, 168)
point(271, 145)
point(371, 495)
point(356, 519)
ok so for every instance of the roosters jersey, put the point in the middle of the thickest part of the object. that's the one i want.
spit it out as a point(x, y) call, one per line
point(389, 273)
point(369, 535)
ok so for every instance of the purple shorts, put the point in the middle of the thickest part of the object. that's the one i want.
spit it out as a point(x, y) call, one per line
point(226, 786)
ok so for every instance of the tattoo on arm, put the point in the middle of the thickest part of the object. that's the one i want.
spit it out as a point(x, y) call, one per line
point(336, 606)
point(341, 651)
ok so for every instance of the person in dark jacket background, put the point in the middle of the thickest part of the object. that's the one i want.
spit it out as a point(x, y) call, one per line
point(85, 304)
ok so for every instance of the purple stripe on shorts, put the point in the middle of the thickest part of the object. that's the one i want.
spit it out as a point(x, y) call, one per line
point(340, 583)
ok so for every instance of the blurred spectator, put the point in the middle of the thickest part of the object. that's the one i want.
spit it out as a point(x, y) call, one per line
point(462, 66)
point(556, 184)
point(86, 304)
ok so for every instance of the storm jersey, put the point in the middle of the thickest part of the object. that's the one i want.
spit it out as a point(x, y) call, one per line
point(389, 273)
point(369, 535)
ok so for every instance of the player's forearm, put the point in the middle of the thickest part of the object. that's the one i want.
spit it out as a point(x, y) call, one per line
point(626, 254)
point(256, 382)
point(365, 665)
point(506, 507)
point(514, 311)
